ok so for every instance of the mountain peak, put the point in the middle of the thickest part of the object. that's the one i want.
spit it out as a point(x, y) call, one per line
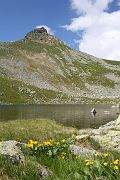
point(41, 30)
point(37, 34)
point(41, 35)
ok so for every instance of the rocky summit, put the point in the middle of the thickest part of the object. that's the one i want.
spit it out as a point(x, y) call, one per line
point(37, 34)
point(41, 35)
point(40, 68)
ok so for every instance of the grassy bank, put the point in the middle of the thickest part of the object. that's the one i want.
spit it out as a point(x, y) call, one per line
point(51, 150)
point(38, 129)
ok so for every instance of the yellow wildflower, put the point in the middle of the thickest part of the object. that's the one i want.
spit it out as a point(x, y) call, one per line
point(61, 157)
point(116, 162)
point(63, 140)
point(35, 142)
point(73, 136)
point(52, 140)
point(105, 164)
point(116, 167)
point(89, 163)
point(31, 141)
point(47, 143)
point(77, 157)
point(96, 154)
point(58, 143)
point(41, 145)
point(30, 145)
point(86, 160)
point(106, 154)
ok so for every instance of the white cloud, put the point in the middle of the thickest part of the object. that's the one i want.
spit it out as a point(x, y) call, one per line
point(89, 6)
point(49, 30)
point(101, 35)
point(118, 2)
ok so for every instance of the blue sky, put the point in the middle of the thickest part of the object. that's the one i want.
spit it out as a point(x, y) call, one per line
point(19, 17)
point(91, 26)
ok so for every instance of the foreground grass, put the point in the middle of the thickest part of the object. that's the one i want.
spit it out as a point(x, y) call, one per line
point(22, 131)
point(10, 171)
point(67, 167)
point(38, 129)
point(72, 168)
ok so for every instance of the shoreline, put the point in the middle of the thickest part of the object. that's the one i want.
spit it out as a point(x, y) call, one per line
point(107, 135)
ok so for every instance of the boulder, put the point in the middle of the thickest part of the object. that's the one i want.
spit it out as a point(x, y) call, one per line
point(80, 137)
point(10, 150)
point(43, 171)
point(118, 120)
point(77, 150)
point(93, 111)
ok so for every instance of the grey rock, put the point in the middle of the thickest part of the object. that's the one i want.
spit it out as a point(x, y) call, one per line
point(44, 174)
point(118, 120)
point(41, 35)
point(17, 158)
point(9, 148)
point(11, 151)
point(77, 150)
point(80, 137)
point(38, 34)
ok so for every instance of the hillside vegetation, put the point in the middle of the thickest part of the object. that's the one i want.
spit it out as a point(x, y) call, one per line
point(42, 69)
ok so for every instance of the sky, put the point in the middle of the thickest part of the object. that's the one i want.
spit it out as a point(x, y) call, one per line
point(91, 26)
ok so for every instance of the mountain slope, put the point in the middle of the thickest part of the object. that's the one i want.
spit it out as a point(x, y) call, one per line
point(45, 65)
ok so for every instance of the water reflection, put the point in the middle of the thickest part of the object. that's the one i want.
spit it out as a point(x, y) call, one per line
point(78, 115)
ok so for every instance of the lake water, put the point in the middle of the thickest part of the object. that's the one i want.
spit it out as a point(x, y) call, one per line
point(78, 115)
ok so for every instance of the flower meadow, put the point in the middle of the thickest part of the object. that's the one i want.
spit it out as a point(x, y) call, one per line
point(50, 148)
point(100, 165)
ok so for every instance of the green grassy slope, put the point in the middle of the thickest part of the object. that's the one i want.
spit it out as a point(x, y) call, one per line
point(17, 92)
point(59, 66)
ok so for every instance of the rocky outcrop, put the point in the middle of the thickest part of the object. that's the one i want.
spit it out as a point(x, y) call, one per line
point(108, 135)
point(37, 34)
point(78, 150)
point(41, 35)
point(9, 148)
point(13, 152)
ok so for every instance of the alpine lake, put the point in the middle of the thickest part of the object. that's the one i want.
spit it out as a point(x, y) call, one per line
point(75, 115)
